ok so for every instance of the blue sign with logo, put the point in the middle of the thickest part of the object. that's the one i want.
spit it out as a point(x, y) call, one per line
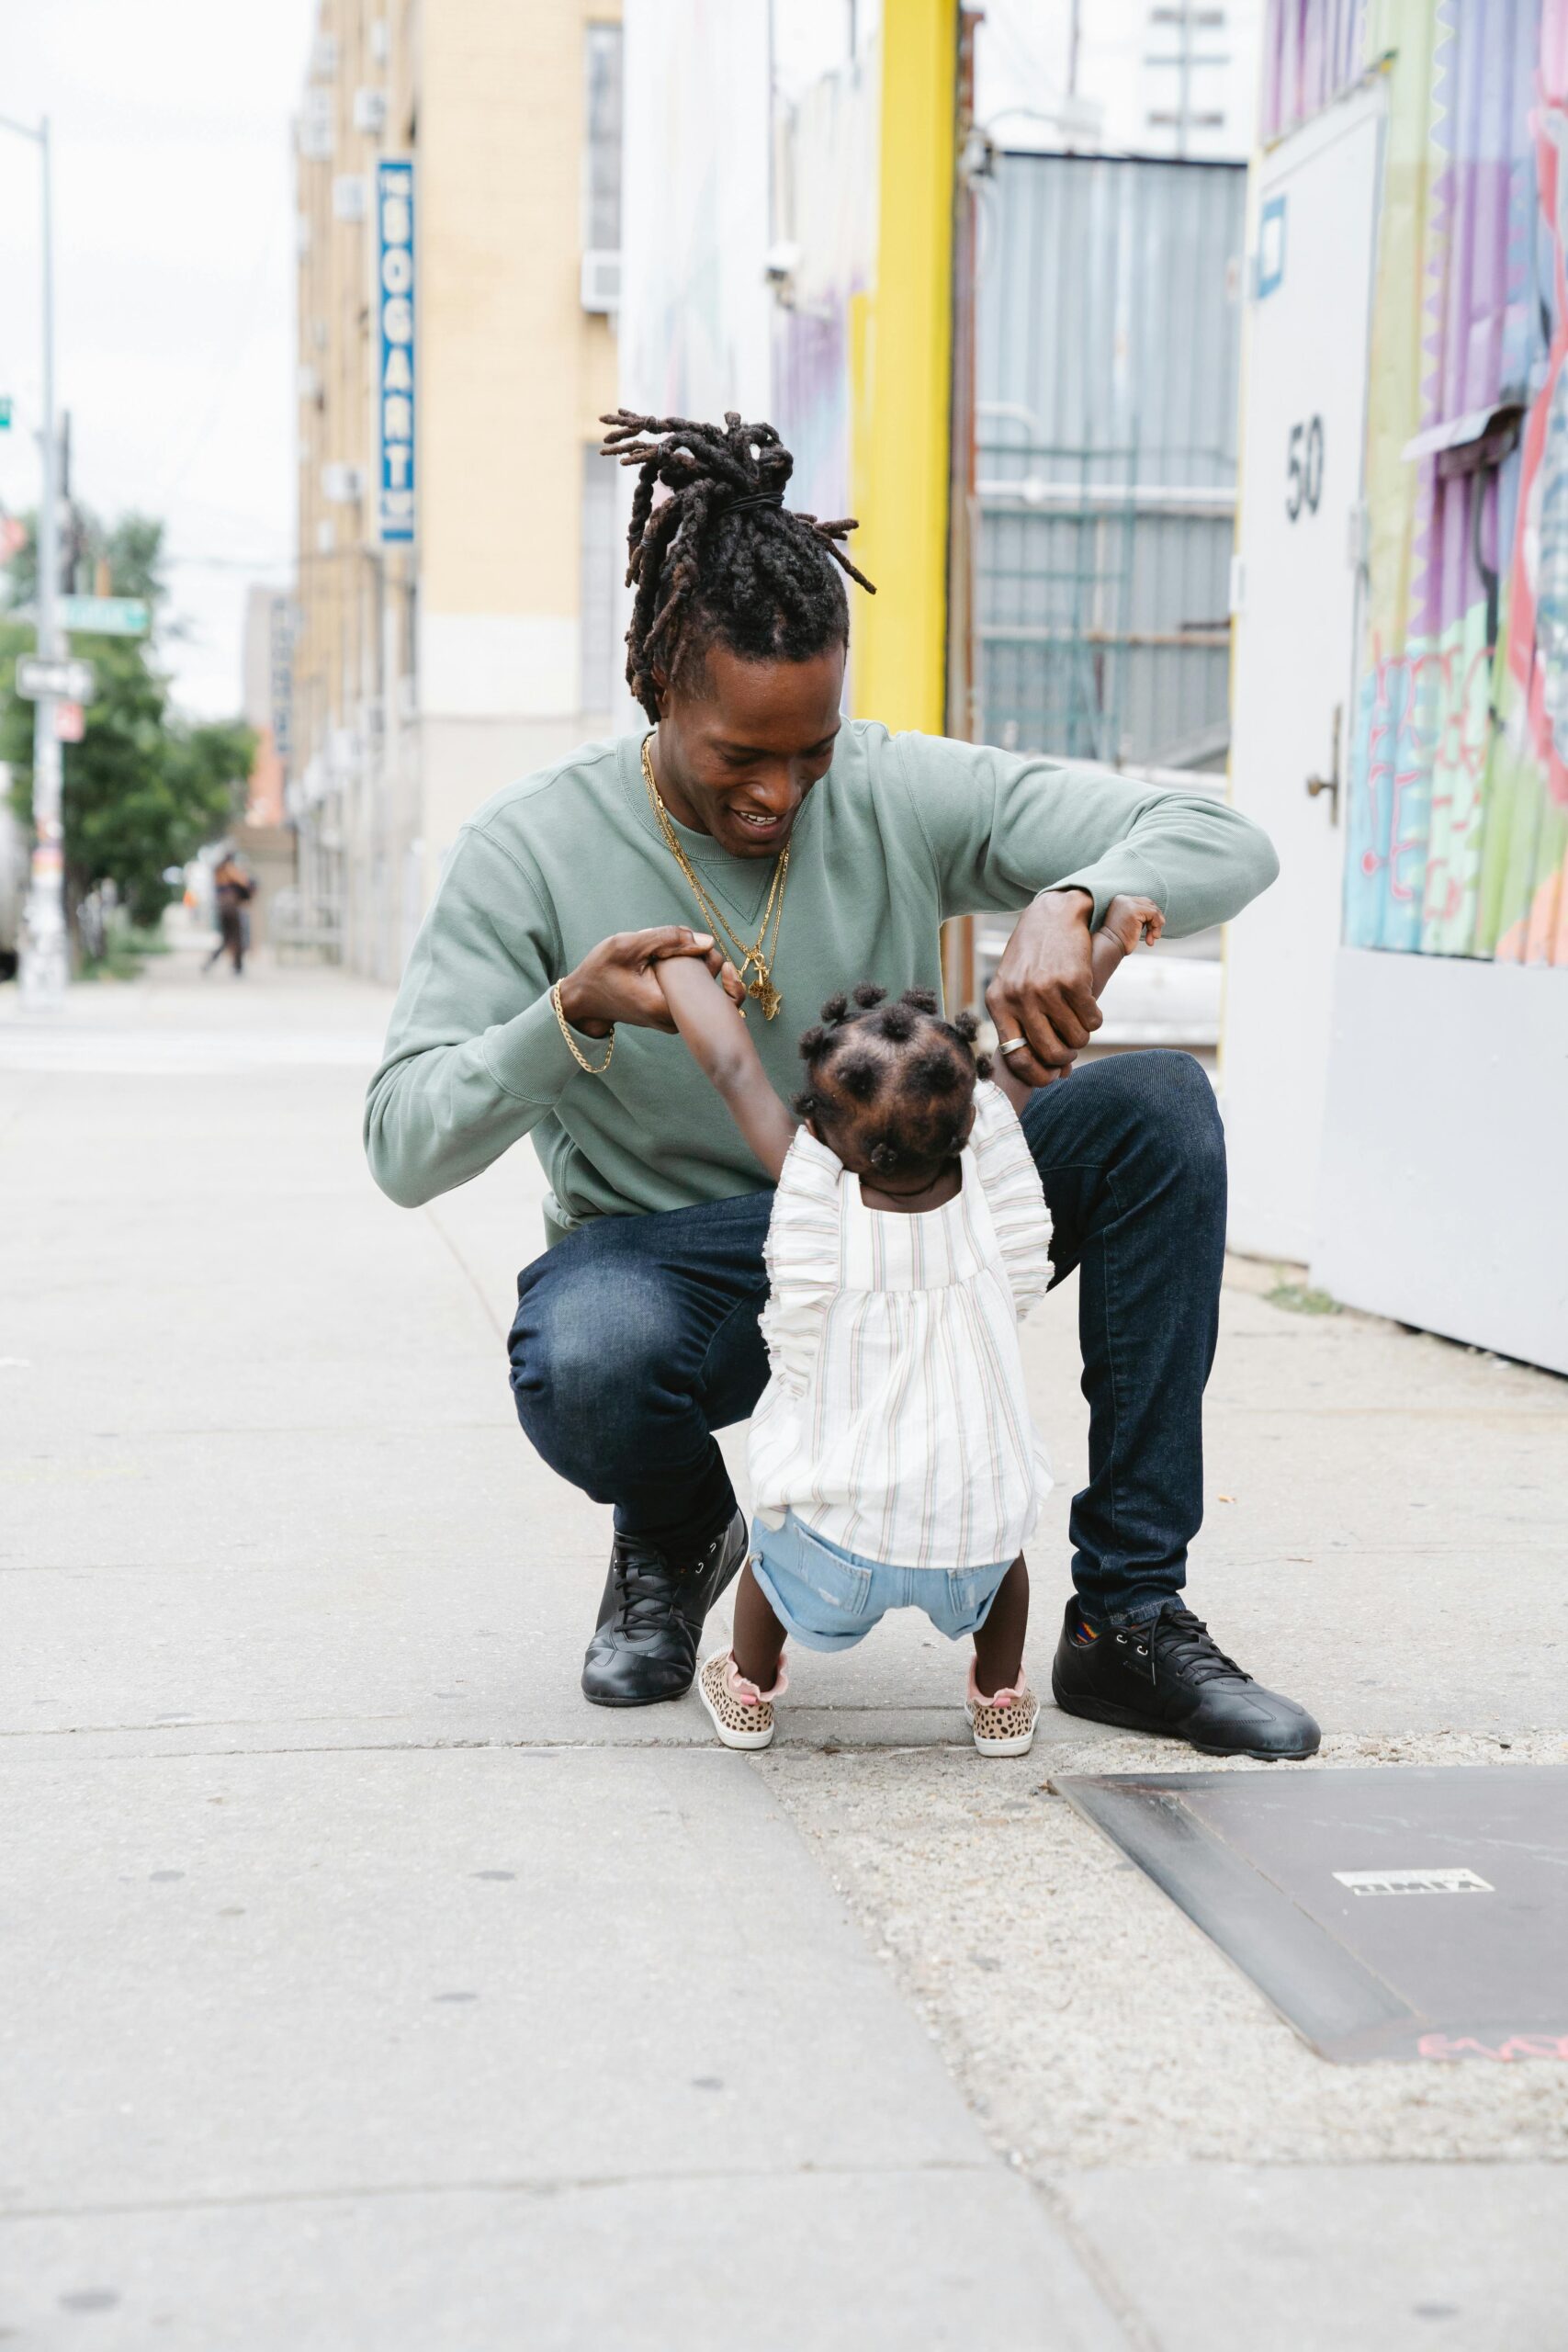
point(1270, 246)
point(395, 369)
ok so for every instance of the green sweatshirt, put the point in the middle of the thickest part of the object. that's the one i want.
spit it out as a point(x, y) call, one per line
point(901, 833)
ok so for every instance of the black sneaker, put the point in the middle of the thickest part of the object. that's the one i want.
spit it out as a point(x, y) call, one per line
point(650, 1619)
point(1170, 1677)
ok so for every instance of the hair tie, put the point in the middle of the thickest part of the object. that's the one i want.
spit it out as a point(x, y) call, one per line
point(759, 498)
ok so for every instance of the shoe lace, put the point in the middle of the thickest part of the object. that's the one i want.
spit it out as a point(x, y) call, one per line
point(1185, 1643)
point(648, 1584)
point(645, 1584)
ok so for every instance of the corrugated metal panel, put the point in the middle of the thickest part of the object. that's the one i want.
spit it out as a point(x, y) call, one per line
point(1108, 350)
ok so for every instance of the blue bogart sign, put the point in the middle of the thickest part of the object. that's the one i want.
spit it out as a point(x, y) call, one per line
point(394, 375)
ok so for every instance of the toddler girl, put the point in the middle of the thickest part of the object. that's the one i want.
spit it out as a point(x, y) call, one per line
point(893, 1462)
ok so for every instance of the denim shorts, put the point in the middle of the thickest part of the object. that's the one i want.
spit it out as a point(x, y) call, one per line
point(828, 1600)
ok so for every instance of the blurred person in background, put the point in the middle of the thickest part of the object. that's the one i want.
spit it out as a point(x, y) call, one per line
point(233, 891)
point(798, 852)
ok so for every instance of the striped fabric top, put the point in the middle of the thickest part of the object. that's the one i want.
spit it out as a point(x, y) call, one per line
point(896, 1423)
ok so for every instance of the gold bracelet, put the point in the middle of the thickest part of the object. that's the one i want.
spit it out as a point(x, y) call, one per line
point(572, 1045)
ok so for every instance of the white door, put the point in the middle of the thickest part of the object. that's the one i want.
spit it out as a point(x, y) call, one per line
point(1299, 571)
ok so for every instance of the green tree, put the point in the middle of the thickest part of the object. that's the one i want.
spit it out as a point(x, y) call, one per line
point(145, 787)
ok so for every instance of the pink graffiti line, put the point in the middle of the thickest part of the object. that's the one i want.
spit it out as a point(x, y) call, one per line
point(1515, 2046)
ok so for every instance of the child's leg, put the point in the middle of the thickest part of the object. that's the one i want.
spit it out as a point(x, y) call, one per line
point(759, 1636)
point(998, 1642)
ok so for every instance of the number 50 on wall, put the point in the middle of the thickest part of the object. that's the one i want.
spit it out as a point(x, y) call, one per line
point(1303, 468)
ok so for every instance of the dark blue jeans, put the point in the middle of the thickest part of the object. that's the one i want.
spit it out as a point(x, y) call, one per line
point(637, 1337)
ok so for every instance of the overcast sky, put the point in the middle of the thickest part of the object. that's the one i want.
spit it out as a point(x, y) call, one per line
point(174, 272)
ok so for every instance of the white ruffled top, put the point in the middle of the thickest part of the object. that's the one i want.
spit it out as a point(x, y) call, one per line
point(896, 1423)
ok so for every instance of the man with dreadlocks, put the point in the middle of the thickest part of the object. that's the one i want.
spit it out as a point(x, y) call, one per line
point(796, 853)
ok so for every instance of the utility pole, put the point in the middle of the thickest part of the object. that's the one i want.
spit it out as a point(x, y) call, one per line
point(44, 960)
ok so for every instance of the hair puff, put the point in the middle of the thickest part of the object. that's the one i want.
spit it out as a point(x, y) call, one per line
point(860, 1076)
point(937, 1068)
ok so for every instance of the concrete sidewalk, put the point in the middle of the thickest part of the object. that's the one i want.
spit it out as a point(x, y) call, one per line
point(367, 1987)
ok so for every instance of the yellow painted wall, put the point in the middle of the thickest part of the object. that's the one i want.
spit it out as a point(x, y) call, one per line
point(513, 372)
point(901, 346)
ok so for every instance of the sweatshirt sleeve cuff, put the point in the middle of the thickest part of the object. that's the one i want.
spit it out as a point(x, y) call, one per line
point(1119, 871)
point(529, 1057)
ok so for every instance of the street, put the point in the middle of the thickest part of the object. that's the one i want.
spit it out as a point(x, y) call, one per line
point(368, 1988)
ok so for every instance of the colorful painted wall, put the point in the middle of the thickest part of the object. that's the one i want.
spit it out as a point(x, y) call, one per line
point(1458, 782)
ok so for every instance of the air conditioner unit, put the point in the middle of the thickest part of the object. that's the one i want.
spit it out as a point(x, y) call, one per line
point(371, 112)
point(314, 130)
point(602, 281)
point(349, 197)
point(343, 485)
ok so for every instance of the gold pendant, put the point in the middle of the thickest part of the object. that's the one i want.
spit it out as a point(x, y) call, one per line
point(765, 993)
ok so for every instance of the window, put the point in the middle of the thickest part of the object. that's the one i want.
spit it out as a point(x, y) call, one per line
point(601, 140)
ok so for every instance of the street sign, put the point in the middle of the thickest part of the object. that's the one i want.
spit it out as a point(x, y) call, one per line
point(395, 373)
point(66, 681)
point(70, 722)
point(104, 615)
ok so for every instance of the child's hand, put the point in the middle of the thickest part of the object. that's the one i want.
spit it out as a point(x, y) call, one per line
point(1132, 921)
point(1128, 923)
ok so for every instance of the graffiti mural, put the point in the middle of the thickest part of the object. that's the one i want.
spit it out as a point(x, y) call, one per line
point(1458, 803)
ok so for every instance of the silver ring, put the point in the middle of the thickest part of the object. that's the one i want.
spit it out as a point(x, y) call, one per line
point(1013, 1045)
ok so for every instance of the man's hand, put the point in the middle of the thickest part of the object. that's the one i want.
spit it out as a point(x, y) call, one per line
point(616, 981)
point(1043, 991)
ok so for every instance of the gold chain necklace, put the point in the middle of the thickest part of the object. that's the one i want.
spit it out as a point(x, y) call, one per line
point(756, 959)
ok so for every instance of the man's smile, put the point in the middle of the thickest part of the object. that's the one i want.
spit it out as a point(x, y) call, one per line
point(764, 825)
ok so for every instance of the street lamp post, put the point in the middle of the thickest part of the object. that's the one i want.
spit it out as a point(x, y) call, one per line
point(44, 961)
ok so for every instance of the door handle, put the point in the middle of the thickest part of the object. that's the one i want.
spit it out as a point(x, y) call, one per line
point(1329, 783)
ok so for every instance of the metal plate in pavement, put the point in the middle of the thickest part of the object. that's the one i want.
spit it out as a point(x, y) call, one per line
point(1415, 1912)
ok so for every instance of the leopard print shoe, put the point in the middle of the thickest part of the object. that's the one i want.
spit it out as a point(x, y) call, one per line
point(1004, 1723)
point(742, 1715)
